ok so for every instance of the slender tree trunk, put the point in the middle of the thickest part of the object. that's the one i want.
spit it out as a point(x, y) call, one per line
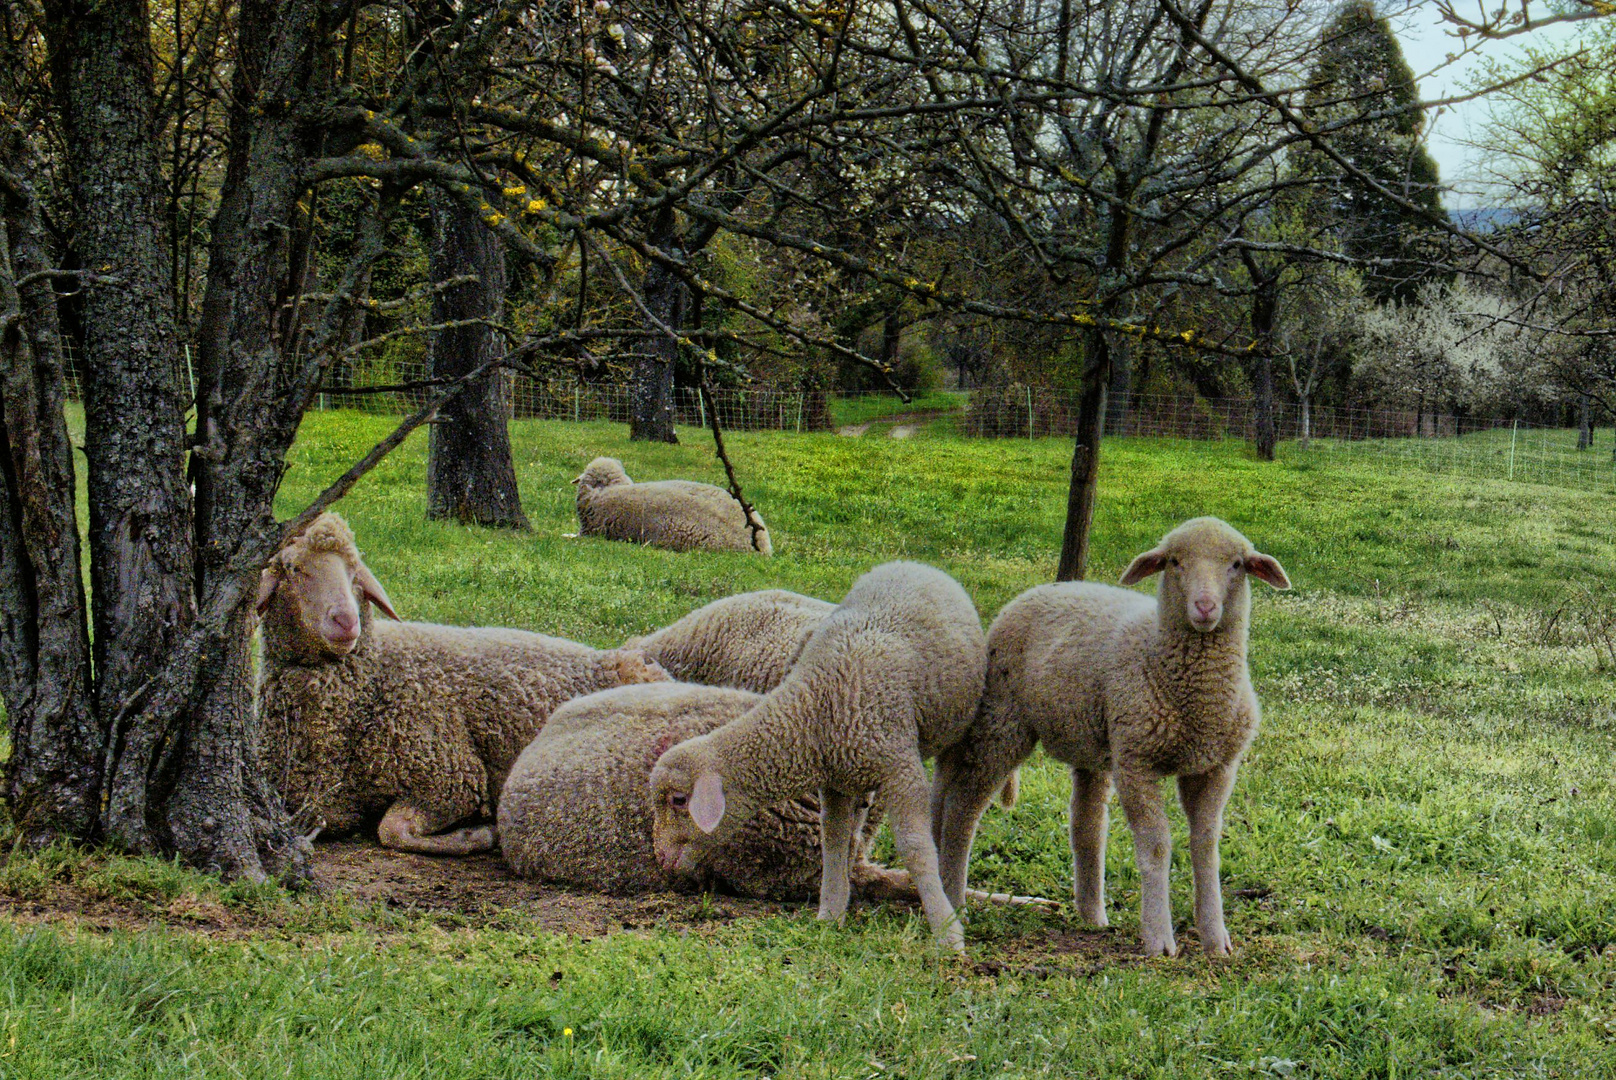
point(1119, 393)
point(470, 476)
point(53, 776)
point(1307, 421)
point(140, 525)
point(651, 393)
point(1085, 459)
point(1585, 435)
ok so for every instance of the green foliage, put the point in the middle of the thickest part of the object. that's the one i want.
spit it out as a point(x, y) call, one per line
point(1361, 75)
point(1420, 854)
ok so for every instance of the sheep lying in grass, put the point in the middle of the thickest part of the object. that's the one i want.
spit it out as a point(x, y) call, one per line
point(1112, 682)
point(414, 723)
point(891, 677)
point(573, 810)
point(748, 641)
point(681, 515)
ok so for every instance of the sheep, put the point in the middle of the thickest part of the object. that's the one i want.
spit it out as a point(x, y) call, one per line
point(748, 641)
point(888, 679)
point(414, 723)
point(573, 809)
point(1112, 682)
point(681, 515)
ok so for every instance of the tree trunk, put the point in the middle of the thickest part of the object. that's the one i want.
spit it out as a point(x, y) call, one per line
point(53, 777)
point(470, 476)
point(1263, 393)
point(1264, 308)
point(1074, 555)
point(1307, 421)
point(1118, 395)
point(140, 526)
point(1585, 435)
point(651, 393)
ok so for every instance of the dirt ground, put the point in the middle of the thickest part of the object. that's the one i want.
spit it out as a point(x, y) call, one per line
point(480, 890)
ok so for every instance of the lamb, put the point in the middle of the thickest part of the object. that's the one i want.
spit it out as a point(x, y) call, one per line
point(573, 810)
point(890, 678)
point(413, 723)
point(1112, 682)
point(748, 641)
point(677, 514)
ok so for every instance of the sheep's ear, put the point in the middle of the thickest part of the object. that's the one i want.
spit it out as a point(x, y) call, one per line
point(1267, 568)
point(1151, 562)
point(269, 579)
point(633, 667)
point(579, 478)
point(374, 592)
point(707, 801)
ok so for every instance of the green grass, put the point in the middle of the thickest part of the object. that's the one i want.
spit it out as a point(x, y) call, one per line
point(1420, 857)
point(848, 409)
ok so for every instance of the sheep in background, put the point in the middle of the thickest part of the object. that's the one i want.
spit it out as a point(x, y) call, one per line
point(1112, 682)
point(890, 677)
point(574, 811)
point(681, 515)
point(748, 641)
point(414, 723)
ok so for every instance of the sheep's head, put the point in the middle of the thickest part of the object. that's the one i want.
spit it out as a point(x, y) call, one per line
point(603, 472)
point(312, 592)
point(1204, 564)
point(689, 812)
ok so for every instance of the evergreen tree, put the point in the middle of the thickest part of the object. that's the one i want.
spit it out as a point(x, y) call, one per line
point(1362, 91)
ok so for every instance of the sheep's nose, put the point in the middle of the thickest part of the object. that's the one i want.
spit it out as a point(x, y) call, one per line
point(344, 620)
point(1206, 608)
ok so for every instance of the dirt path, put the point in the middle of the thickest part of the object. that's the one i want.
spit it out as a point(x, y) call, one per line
point(899, 425)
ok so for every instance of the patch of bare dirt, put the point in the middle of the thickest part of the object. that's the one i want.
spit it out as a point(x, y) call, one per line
point(480, 888)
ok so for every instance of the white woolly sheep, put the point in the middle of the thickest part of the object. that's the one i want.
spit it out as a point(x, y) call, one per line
point(681, 515)
point(573, 810)
point(1112, 682)
point(748, 641)
point(413, 723)
point(891, 677)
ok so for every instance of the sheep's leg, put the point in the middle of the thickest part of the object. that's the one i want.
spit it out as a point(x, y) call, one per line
point(968, 777)
point(1091, 792)
point(836, 821)
point(410, 828)
point(909, 810)
point(1204, 797)
point(1140, 792)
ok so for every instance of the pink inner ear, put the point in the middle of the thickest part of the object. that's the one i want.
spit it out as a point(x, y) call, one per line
point(707, 801)
point(1143, 565)
point(1267, 568)
point(374, 592)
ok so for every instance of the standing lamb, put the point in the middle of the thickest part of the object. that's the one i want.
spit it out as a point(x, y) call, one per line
point(1113, 682)
point(890, 678)
point(748, 641)
point(574, 811)
point(414, 723)
point(681, 515)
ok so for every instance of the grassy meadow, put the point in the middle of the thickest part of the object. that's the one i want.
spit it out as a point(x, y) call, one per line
point(1419, 858)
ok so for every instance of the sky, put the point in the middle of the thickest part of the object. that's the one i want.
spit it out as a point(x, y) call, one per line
point(1425, 45)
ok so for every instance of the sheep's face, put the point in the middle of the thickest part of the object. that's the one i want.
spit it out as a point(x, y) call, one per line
point(602, 472)
point(688, 811)
point(316, 587)
point(1204, 564)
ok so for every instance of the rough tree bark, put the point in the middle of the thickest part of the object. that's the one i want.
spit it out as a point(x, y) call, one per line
point(651, 392)
point(1585, 435)
point(1074, 556)
point(470, 476)
point(134, 404)
point(53, 777)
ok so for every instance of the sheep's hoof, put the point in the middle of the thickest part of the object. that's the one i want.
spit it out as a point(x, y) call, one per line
point(1167, 947)
point(1218, 944)
point(1094, 917)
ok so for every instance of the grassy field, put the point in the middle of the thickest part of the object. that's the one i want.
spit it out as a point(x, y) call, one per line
point(1420, 856)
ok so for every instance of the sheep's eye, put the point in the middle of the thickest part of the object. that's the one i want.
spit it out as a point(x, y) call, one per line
point(1173, 561)
point(1236, 565)
point(678, 800)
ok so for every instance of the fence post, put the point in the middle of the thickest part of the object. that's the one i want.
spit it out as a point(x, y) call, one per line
point(799, 414)
point(575, 389)
point(1029, 410)
point(1513, 427)
point(701, 408)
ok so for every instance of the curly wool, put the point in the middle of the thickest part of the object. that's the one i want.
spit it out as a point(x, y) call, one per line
point(574, 810)
point(418, 715)
point(748, 641)
point(680, 515)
